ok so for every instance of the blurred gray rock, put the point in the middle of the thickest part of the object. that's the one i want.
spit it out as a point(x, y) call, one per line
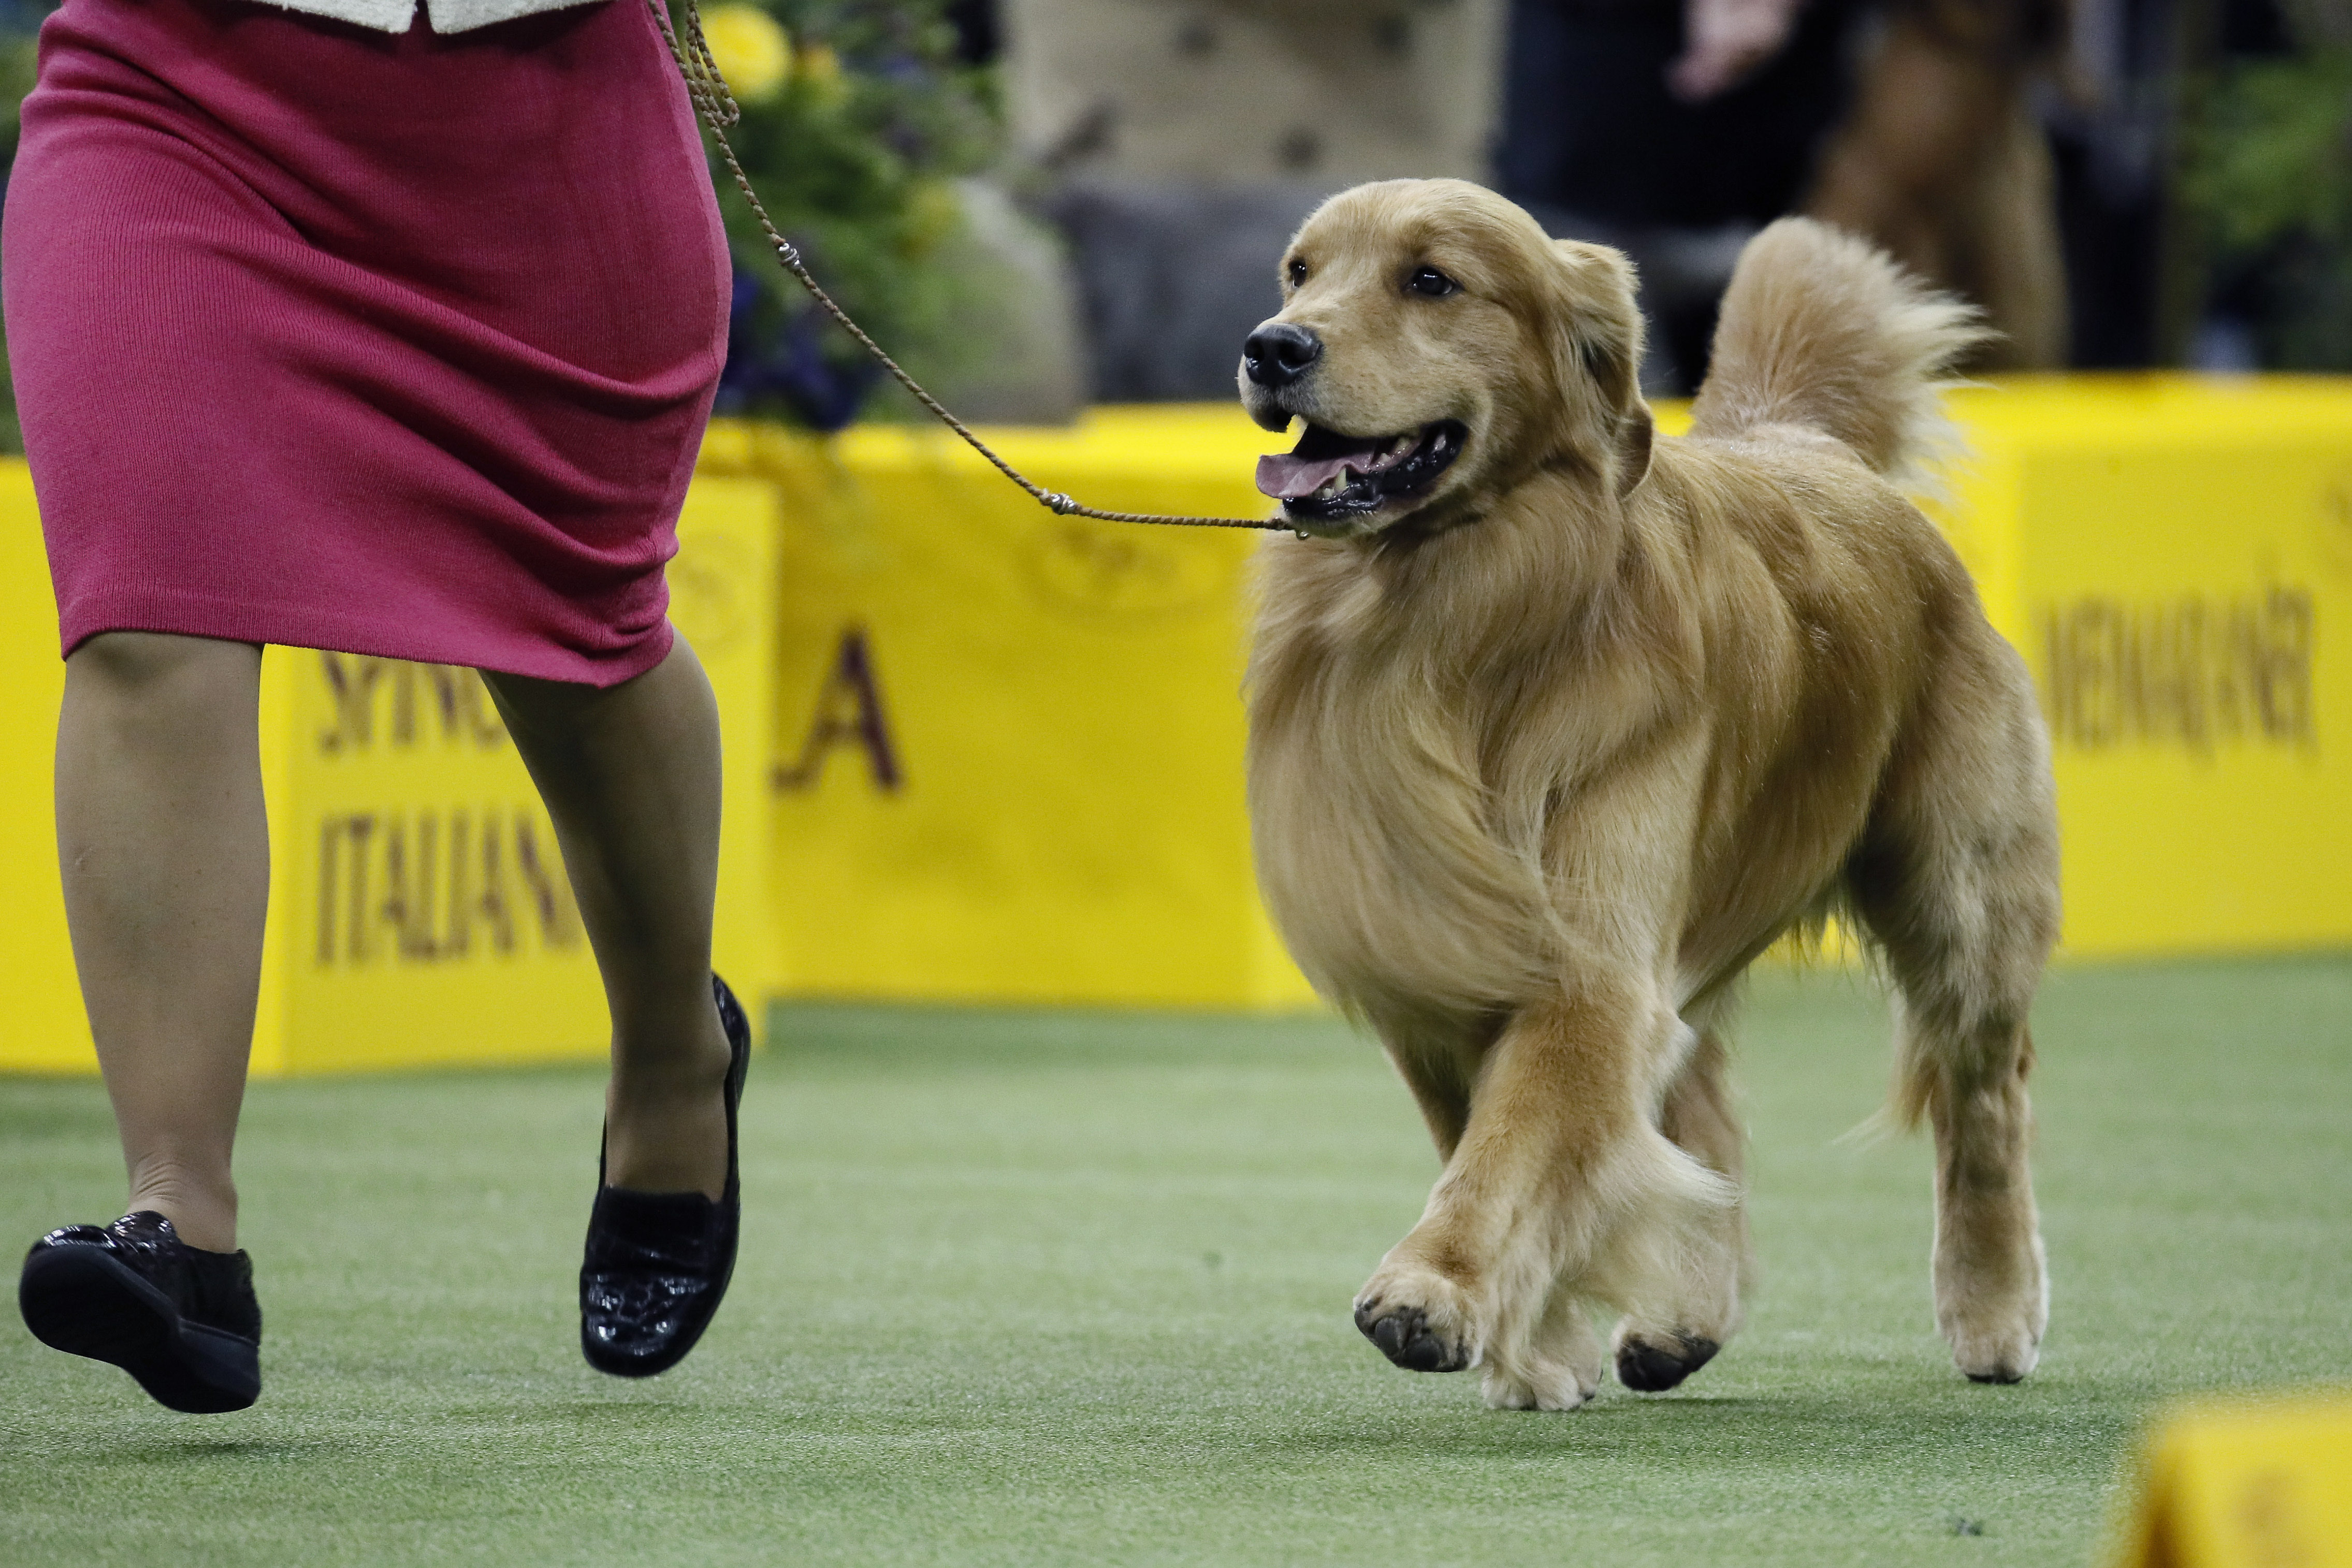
point(1246, 91)
point(1018, 355)
point(1172, 278)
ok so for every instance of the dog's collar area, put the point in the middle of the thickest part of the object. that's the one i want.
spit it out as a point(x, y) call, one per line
point(1328, 477)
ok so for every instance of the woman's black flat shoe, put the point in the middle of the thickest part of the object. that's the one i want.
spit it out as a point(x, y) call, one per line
point(182, 1321)
point(657, 1263)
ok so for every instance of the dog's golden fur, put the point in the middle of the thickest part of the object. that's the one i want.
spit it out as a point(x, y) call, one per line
point(1542, 757)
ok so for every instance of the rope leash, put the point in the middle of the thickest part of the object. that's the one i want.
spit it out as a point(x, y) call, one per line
point(714, 104)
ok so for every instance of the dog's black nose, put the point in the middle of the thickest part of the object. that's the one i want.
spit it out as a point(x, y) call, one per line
point(1278, 353)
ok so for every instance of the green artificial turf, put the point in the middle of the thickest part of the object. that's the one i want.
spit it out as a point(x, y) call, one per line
point(1074, 1290)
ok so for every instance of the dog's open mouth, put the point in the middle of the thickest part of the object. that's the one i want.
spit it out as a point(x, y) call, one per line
point(1329, 476)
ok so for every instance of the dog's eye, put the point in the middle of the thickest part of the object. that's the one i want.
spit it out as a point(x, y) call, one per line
point(1429, 280)
point(1298, 273)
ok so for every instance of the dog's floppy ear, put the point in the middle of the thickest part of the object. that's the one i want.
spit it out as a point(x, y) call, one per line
point(1597, 338)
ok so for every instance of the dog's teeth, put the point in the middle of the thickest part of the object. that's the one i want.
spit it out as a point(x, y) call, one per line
point(1437, 445)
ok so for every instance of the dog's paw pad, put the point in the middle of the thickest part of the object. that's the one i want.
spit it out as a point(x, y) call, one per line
point(1653, 1368)
point(1403, 1335)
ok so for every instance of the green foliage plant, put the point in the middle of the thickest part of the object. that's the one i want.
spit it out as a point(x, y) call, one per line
point(853, 147)
point(2268, 175)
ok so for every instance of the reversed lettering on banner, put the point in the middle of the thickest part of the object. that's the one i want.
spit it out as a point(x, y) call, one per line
point(406, 705)
point(848, 713)
point(2195, 672)
point(431, 887)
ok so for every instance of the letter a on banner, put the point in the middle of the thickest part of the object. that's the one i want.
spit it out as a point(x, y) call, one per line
point(848, 713)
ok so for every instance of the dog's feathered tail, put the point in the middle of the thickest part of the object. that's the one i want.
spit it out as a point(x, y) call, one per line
point(1823, 331)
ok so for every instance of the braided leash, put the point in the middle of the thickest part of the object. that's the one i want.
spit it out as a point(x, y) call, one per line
point(715, 103)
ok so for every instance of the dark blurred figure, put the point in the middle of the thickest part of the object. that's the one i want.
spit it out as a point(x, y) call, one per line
point(2111, 141)
point(979, 36)
point(2139, 288)
point(1172, 278)
point(1623, 122)
point(1675, 128)
point(1943, 161)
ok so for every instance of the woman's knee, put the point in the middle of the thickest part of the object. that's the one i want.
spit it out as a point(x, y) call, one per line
point(133, 663)
point(167, 678)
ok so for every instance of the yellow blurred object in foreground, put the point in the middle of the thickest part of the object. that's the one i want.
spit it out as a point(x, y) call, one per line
point(753, 51)
point(2247, 1484)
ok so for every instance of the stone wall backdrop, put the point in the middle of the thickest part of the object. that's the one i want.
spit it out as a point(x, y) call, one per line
point(1184, 140)
point(1243, 91)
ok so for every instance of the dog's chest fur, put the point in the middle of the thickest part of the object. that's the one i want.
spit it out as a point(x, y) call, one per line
point(1418, 738)
point(1648, 735)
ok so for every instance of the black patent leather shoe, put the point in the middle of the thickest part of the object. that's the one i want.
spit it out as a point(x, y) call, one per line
point(657, 1263)
point(182, 1321)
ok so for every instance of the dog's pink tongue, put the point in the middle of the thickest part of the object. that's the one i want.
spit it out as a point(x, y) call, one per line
point(1286, 476)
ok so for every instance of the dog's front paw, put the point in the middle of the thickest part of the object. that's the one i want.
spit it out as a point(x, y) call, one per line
point(1537, 1388)
point(1419, 1319)
point(1532, 1380)
point(1996, 1362)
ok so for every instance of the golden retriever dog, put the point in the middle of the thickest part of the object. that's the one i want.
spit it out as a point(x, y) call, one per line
point(1555, 727)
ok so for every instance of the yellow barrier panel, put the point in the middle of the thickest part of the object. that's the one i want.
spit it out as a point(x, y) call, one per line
point(419, 910)
point(1010, 762)
point(1014, 771)
point(2173, 555)
point(2247, 1484)
point(977, 752)
point(41, 1027)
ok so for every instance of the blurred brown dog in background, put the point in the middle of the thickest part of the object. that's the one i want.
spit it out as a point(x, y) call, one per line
point(1554, 726)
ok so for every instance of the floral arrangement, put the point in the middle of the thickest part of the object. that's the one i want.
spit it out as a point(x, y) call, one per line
point(857, 117)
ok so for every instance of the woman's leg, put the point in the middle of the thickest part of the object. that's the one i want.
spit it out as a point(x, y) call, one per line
point(630, 774)
point(165, 852)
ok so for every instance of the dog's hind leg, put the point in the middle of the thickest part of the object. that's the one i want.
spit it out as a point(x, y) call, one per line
point(1992, 1285)
point(1664, 1339)
point(1957, 879)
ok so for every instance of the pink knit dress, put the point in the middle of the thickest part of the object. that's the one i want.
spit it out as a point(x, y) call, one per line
point(394, 345)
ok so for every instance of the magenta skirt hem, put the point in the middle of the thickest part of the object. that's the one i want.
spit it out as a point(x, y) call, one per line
point(191, 614)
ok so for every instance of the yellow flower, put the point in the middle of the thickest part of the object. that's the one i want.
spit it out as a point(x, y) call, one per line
point(819, 63)
point(820, 67)
point(933, 212)
point(753, 51)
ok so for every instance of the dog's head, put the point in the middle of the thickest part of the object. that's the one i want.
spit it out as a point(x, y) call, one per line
point(1440, 347)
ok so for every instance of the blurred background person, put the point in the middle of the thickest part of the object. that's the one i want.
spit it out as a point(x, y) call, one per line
point(1183, 140)
point(1673, 129)
point(1943, 161)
